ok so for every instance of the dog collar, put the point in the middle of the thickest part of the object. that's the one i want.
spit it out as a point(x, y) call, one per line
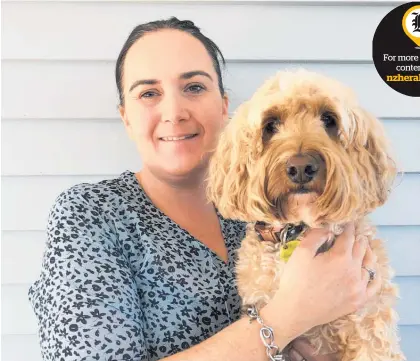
point(287, 237)
point(289, 232)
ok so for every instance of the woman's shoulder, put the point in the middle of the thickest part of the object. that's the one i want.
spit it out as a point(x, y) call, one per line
point(97, 207)
point(99, 195)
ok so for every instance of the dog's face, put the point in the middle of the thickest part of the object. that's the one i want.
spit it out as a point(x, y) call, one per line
point(301, 149)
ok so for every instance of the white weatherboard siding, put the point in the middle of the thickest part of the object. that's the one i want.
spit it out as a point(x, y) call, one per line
point(61, 126)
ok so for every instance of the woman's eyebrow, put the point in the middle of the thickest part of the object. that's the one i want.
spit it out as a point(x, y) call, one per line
point(190, 74)
point(143, 82)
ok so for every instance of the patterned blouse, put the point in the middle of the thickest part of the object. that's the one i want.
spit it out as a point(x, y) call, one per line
point(122, 281)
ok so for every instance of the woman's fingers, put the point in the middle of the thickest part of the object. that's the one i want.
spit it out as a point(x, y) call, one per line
point(369, 263)
point(315, 238)
point(374, 287)
point(359, 250)
point(345, 241)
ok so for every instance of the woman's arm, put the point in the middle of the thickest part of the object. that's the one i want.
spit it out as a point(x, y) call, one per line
point(85, 300)
point(239, 341)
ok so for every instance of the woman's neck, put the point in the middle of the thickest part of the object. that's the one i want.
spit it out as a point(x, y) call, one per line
point(189, 190)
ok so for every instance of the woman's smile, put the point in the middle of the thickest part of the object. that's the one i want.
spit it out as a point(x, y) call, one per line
point(178, 138)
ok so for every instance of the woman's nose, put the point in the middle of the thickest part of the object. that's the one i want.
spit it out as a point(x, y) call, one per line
point(173, 109)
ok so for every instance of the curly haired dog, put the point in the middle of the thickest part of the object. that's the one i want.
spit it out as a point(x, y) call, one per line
point(303, 150)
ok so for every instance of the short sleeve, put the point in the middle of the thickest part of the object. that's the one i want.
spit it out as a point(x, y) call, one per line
point(85, 299)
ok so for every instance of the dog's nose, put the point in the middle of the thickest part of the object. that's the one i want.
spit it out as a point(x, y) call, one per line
point(302, 168)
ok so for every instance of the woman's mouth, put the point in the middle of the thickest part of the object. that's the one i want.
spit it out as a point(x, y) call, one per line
point(178, 138)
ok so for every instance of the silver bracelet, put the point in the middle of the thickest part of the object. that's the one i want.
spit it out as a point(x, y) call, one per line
point(267, 336)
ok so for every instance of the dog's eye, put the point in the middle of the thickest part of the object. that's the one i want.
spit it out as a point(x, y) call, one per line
point(329, 120)
point(271, 124)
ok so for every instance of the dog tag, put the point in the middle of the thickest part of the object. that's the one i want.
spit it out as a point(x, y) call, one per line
point(287, 250)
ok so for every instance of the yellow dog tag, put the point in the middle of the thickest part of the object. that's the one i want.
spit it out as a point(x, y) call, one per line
point(285, 253)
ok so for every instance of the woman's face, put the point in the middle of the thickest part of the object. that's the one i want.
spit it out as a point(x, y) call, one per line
point(173, 107)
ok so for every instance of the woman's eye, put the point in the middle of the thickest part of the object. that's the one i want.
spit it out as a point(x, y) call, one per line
point(148, 94)
point(329, 120)
point(195, 88)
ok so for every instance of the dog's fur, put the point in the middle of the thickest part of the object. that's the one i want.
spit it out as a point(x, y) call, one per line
point(248, 181)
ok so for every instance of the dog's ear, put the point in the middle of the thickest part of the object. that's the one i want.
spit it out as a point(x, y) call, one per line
point(227, 180)
point(374, 153)
point(379, 148)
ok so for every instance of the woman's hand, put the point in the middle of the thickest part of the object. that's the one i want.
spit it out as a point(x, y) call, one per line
point(316, 289)
point(302, 350)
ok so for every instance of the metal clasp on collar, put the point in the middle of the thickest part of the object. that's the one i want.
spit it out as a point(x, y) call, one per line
point(289, 232)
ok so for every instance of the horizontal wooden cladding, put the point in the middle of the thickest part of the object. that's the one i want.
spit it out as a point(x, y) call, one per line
point(403, 247)
point(67, 147)
point(280, 31)
point(27, 248)
point(94, 147)
point(86, 89)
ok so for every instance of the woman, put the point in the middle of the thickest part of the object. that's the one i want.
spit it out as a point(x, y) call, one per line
point(141, 267)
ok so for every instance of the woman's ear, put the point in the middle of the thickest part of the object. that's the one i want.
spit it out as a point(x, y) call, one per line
point(228, 169)
point(127, 124)
point(225, 109)
point(379, 148)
